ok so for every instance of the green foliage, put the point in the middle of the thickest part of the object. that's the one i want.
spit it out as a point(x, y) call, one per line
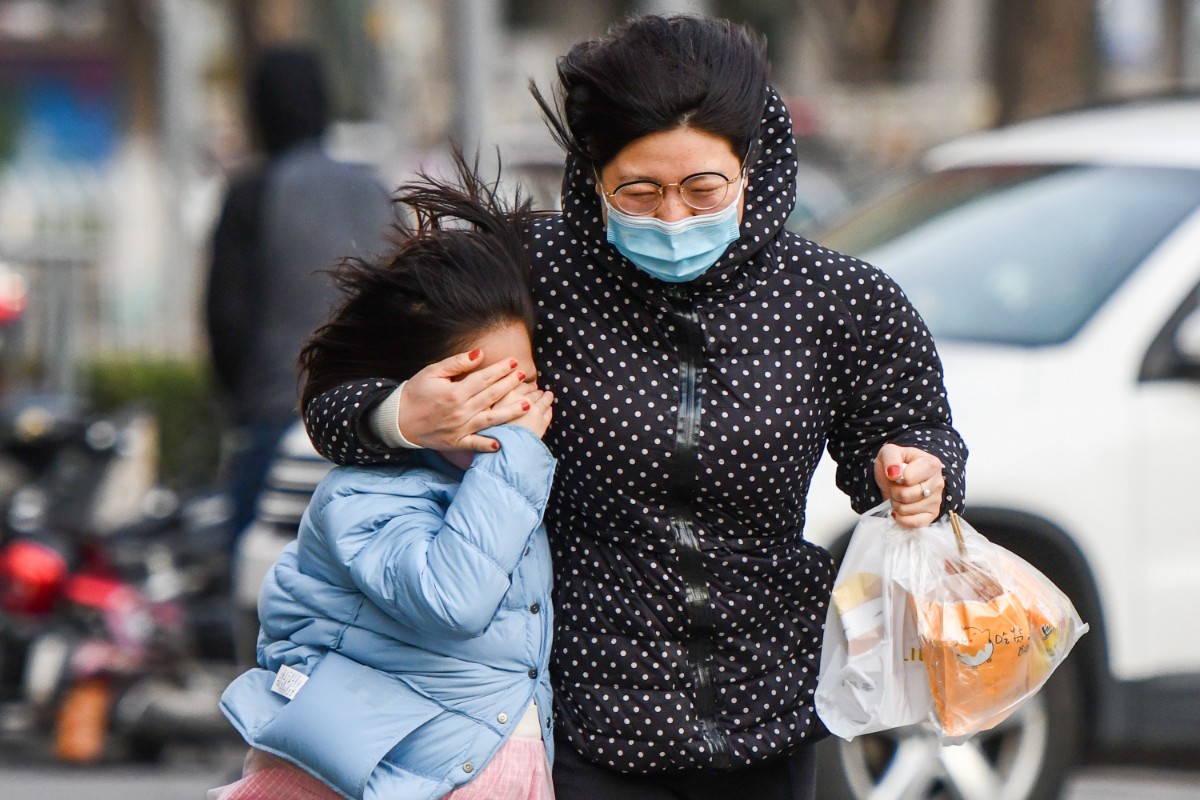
point(180, 394)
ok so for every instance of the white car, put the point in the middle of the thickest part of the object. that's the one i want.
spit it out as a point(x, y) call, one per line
point(295, 471)
point(1057, 263)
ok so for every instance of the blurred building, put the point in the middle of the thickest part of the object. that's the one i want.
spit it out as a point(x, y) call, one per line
point(121, 119)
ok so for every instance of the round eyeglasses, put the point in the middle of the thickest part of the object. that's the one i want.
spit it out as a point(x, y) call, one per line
point(703, 191)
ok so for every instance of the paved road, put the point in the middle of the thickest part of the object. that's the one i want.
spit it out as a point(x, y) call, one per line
point(189, 781)
point(1111, 783)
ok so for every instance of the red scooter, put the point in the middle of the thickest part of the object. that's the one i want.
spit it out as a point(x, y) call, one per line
point(97, 635)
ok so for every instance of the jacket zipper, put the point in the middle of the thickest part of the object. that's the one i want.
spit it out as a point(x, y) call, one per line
point(698, 602)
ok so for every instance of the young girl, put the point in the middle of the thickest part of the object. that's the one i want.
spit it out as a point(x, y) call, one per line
point(406, 633)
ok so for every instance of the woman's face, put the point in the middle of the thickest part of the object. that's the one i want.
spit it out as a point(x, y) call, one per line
point(668, 157)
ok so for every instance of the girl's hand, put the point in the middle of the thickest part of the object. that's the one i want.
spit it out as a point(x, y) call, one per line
point(912, 480)
point(538, 409)
point(446, 404)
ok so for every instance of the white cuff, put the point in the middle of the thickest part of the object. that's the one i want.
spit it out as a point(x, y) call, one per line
point(385, 422)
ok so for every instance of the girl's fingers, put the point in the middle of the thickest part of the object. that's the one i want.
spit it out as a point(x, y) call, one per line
point(527, 409)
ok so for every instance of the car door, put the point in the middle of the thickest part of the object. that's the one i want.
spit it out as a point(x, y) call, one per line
point(1166, 412)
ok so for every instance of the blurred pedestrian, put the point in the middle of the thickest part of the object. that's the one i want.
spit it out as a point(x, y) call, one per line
point(281, 226)
point(406, 633)
point(702, 358)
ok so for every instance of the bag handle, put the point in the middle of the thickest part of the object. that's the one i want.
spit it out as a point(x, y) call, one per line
point(958, 537)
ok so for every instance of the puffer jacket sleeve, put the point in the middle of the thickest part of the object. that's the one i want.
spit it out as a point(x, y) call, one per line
point(337, 423)
point(898, 396)
point(447, 570)
point(298, 612)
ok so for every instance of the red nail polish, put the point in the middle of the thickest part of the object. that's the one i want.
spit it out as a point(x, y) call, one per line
point(474, 354)
point(512, 364)
point(893, 471)
point(525, 405)
point(495, 445)
point(520, 376)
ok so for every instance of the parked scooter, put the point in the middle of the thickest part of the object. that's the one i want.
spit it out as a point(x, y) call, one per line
point(40, 437)
point(105, 581)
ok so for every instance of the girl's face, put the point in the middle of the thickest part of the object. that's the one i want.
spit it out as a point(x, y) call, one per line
point(668, 157)
point(510, 341)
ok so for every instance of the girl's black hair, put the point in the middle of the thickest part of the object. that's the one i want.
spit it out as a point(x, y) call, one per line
point(460, 272)
point(651, 74)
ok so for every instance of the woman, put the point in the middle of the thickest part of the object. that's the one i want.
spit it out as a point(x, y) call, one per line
point(699, 368)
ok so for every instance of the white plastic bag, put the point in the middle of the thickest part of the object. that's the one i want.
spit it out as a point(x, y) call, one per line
point(936, 624)
point(871, 677)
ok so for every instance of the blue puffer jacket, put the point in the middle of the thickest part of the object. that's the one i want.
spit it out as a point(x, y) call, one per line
point(417, 602)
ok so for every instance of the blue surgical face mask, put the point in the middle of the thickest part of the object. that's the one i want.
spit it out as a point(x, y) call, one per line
point(674, 252)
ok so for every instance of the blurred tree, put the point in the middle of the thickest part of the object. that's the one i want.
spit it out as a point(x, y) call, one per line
point(339, 31)
point(180, 395)
point(769, 17)
point(1177, 18)
point(135, 42)
point(862, 33)
point(1045, 56)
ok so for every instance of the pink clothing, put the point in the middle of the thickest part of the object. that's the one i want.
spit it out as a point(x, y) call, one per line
point(267, 777)
point(519, 771)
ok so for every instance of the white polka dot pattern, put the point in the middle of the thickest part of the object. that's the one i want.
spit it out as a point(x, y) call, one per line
point(802, 349)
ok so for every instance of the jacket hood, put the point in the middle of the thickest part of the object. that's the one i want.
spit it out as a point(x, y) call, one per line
point(767, 203)
point(288, 98)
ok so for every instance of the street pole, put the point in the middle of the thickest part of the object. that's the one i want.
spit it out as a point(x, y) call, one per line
point(668, 7)
point(476, 28)
point(186, 34)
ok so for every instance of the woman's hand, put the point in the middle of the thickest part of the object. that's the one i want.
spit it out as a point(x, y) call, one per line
point(912, 480)
point(446, 404)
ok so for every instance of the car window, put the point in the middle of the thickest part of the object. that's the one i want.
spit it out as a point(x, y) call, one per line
point(1018, 255)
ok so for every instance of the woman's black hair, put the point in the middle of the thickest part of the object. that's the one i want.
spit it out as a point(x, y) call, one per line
point(651, 74)
point(460, 272)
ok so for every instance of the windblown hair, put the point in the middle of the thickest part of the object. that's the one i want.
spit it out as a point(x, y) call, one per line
point(652, 74)
point(460, 272)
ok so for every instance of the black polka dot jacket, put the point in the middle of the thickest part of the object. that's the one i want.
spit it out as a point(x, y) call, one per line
point(688, 421)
